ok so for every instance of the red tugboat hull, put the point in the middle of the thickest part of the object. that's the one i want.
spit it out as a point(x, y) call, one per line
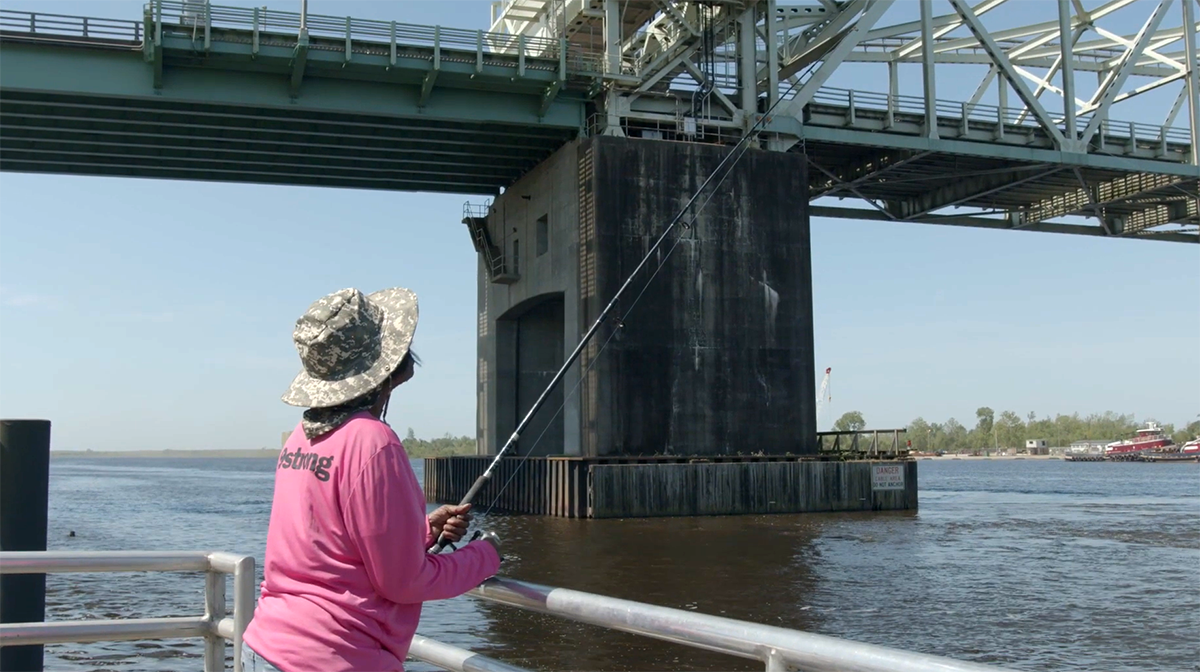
point(1148, 439)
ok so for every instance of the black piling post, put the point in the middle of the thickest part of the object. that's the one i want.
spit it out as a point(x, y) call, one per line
point(24, 498)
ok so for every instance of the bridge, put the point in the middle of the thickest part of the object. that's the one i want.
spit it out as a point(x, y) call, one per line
point(197, 91)
point(590, 122)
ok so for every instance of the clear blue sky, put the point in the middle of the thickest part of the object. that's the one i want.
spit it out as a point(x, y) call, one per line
point(142, 314)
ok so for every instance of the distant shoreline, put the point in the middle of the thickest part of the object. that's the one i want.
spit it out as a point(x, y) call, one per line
point(253, 453)
point(105, 454)
point(988, 457)
point(271, 453)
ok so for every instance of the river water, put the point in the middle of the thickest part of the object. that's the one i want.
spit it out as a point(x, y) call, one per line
point(1030, 564)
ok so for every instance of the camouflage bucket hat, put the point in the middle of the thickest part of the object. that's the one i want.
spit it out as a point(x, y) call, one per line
point(349, 343)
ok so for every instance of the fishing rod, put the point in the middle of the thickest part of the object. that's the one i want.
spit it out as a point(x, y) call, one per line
point(753, 132)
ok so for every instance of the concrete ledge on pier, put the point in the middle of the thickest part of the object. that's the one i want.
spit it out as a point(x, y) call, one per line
point(644, 487)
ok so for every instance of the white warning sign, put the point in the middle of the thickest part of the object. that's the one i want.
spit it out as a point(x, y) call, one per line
point(887, 476)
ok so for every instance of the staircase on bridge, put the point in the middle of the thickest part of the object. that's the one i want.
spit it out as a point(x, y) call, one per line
point(499, 270)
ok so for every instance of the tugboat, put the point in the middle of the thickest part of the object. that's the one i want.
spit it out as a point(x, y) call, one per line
point(1188, 452)
point(1147, 439)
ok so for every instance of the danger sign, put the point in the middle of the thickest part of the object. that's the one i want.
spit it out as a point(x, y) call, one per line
point(887, 477)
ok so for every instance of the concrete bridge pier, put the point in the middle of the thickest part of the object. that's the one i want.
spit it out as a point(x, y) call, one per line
point(715, 358)
point(706, 382)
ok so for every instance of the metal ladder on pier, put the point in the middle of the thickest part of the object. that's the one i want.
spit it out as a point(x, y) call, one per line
point(476, 219)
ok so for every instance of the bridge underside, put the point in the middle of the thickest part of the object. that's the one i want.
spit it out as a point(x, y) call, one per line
point(978, 174)
point(148, 138)
point(922, 185)
point(250, 113)
point(153, 137)
point(444, 110)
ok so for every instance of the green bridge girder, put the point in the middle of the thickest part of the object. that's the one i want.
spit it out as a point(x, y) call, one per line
point(251, 106)
point(247, 95)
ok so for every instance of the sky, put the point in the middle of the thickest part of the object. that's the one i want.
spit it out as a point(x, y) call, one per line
point(139, 314)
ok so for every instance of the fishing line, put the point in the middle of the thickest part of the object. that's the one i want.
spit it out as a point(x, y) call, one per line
point(561, 406)
point(738, 151)
point(583, 375)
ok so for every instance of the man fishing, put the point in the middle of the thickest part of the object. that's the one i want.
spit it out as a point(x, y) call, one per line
point(347, 566)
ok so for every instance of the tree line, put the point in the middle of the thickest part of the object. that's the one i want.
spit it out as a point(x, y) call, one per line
point(441, 447)
point(990, 433)
point(1009, 430)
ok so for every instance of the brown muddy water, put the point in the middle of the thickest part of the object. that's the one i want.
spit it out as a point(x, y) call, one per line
point(1034, 565)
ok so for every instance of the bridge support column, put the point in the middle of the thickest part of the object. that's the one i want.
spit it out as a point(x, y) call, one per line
point(697, 396)
point(612, 37)
point(715, 358)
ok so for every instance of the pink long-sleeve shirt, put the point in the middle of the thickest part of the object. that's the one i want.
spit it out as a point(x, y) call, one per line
point(346, 565)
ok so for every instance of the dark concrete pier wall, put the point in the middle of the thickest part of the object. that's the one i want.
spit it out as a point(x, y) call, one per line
point(716, 356)
point(540, 354)
point(534, 224)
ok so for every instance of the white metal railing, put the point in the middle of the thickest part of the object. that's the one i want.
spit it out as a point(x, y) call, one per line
point(76, 29)
point(455, 659)
point(891, 44)
point(985, 113)
point(779, 649)
point(215, 626)
point(849, 101)
point(367, 36)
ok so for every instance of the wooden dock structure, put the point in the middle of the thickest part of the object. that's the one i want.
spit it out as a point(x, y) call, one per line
point(652, 486)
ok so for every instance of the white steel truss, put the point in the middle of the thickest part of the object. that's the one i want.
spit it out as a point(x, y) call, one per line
point(1023, 111)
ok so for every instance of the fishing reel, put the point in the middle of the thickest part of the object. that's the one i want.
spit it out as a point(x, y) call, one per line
point(490, 537)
